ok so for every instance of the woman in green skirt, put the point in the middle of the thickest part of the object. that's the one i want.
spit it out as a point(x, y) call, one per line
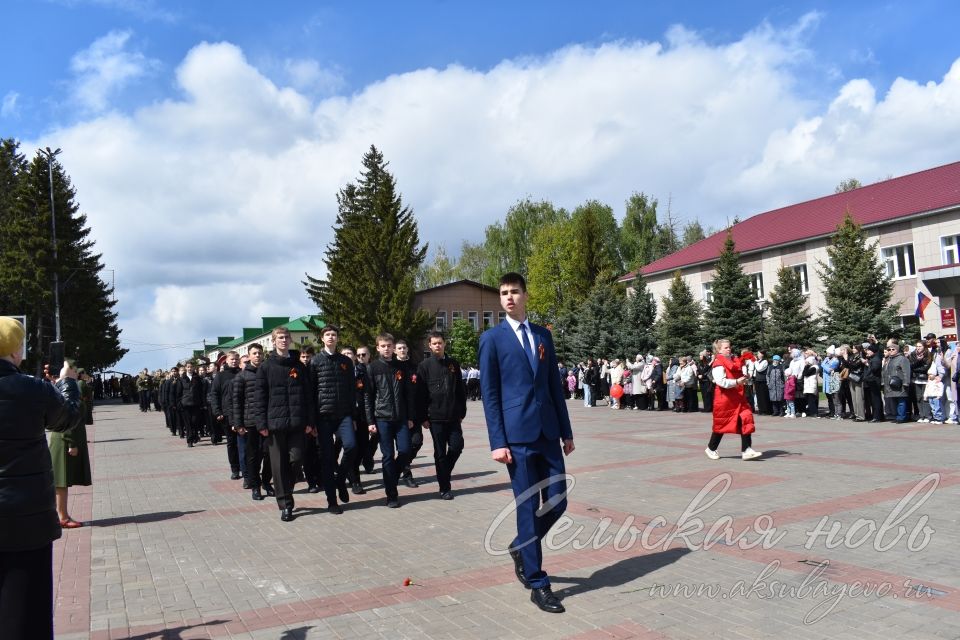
point(70, 457)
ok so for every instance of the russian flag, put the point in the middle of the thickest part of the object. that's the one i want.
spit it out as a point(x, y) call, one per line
point(922, 302)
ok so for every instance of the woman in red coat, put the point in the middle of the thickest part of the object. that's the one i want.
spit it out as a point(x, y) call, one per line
point(731, 412)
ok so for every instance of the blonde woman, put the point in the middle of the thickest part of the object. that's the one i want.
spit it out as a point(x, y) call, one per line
point(731, 412)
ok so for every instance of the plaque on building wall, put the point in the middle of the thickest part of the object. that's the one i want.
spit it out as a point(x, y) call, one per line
point(948, 318)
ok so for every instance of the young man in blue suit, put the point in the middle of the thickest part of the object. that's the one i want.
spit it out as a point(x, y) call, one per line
point(529, 429)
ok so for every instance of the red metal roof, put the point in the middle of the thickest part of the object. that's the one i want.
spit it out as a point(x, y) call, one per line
point(916, 193)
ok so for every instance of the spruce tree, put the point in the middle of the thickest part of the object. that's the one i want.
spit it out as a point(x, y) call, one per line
point(372, 262)
point(599, 318)
point(88, 323)
point(733, 312)
point(856, 288)
point(636, 329)
point(678, 329)
point(790, 319)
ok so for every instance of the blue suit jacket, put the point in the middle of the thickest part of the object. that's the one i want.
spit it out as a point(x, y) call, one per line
point(521, 405)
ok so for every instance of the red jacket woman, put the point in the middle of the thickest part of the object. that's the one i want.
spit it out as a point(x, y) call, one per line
point(731, 411)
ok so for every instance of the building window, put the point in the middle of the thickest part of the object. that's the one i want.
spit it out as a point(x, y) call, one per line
point(441, 320)
point(708, 292)
point(501, 316)
point(303, 339)
point(756, 283)
point(950, 249)
point(801, 270)
point(474, 319)
point(899, 261)
point(487, 319)
point(457, 315)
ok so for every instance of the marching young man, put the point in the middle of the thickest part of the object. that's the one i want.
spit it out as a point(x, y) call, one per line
point(258, 472)
point(442, 404)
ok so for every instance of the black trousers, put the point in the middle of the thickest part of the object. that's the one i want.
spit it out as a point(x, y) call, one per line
point(746, 441)
point(416, 443)
point(763, 397)
point(312, 462)
point(876, 400)
point(372, 444)
point(257, 459)
point(233, 454)
point(286, 459)
point(193, 421)
point(144, 400)
point(447, 447)
point(26, 594)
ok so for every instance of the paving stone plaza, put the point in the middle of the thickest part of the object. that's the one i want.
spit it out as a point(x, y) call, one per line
point(841, 530)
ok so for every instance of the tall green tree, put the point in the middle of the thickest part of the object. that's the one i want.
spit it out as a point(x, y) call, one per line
point(463, 343)
point(856, 288)
point(596, 238)
point(847, 185)
point(441, 271)
point(472, 263)
point(791, 321)
point(638, 234)
point(692, 233)
point(88, 323)
point(733, 313)
point(599, 318)
point(509, 245)
point(550, 279)
point(373, 261)
point(637, 333)
point(678, 329)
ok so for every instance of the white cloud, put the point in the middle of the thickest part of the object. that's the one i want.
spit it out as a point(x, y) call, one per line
point(8, 106)
point(312, 78)
point(105, 67)
point(212, 205)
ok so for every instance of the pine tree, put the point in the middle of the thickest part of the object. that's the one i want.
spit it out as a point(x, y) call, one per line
point(733, 312)
point(599, 319)
point(856, 288)
point(638, 234)
point(790, 318)
point(88, 323)
point(636, 329)
point(463, 343)
point(693, 233)
point(678, 330)
point(372, 262)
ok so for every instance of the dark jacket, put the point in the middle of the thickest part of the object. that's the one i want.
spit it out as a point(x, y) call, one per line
point(897, 367)
point(190, 391)
point(221, 398)
point(28, 519)
point(334, 384)
point(872, 373)
point(389, 397)
point(362, 386)
point(441, 394)
point(282, 393)
point(243, 410)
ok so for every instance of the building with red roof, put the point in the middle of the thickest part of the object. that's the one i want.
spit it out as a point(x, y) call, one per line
point(915, 220)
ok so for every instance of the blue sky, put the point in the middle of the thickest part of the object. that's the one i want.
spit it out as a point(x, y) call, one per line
point(190, 127)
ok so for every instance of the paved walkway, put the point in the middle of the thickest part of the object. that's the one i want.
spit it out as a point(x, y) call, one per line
point(176, 550)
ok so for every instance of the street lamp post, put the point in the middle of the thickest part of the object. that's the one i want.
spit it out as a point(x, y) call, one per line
point(50, 155)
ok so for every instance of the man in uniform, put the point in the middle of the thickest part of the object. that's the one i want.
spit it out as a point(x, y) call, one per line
point(258, 473)
point(190, 394)
point(220, 406)
point(442, 402)
point(416, 433)
point(371, 442)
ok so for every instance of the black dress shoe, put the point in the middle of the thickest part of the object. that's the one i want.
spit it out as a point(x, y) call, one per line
point(190, 444)
point(287, 514)
point(358, 489)
point(313, 489)
point(410, 482)
point(333, 507)
point(343, 494)
point(269, 491)
point(545, 599)
point(235, 475)
point(393, 503)
point(247, 485)
point(256, 495)
point(446, 495)
point(518, 568)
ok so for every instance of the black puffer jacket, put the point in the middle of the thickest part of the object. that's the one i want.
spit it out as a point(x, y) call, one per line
point(392, 392)
point(28, 519)
point(221, 398)
point(243, 407)
point(334, 385)
point(441, 394)
point(362, 385)
point(282, 395)
point(190, 391)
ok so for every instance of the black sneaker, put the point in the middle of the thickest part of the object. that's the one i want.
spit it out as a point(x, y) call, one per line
point(393, 503)
point(357, 489)
point(255, 494)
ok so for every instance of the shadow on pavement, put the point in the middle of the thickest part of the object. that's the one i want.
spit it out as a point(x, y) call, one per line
point(142, 518)
point(300, 633)
point(619, 573)
point(176, 632)
point(116, 440)
point(777, 453)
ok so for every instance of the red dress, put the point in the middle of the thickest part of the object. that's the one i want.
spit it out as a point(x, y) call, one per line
point(729, 405)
